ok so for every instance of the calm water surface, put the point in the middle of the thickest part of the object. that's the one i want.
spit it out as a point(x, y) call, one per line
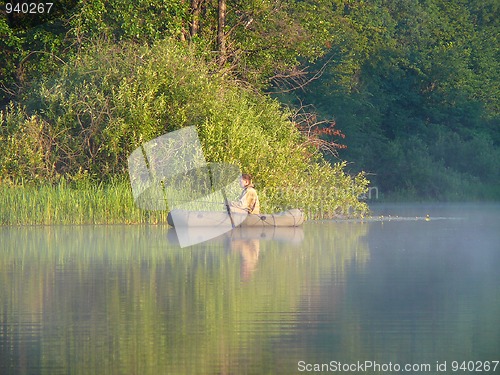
point(398, 290)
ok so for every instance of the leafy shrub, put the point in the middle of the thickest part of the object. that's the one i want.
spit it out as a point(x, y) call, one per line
point(110, 99)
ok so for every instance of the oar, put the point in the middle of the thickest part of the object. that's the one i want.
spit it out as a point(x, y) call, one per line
point(227, 207)
point(226, 202)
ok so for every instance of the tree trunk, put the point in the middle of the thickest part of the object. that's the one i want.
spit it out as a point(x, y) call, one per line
point(221, 36)
point(195, 23)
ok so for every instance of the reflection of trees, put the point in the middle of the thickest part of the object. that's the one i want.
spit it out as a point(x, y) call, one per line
point(121, 300)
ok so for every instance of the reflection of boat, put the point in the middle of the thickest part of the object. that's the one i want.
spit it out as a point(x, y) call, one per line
point(189, 219)
point(292, 235)
point(280, 234)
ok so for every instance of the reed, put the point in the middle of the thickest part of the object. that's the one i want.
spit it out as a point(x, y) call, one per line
point(75, 203)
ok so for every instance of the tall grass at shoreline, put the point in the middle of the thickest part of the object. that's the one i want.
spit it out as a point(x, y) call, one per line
point(63, 203)
point(89, 202)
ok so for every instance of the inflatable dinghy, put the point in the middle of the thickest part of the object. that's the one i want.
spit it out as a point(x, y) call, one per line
point(289, 218)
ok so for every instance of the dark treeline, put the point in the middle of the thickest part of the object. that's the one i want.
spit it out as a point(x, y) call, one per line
point(413, 85)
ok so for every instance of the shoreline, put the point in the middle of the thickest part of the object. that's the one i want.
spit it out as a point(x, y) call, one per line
point(87, 203)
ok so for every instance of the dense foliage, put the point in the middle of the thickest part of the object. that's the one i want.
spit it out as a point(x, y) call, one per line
point(84, 121)
point(415, 88)
point(412, 85)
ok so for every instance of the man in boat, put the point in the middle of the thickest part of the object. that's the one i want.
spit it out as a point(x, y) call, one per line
point(248, 200)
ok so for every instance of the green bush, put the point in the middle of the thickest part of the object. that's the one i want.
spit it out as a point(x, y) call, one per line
point(26, 148)
point(110, 99)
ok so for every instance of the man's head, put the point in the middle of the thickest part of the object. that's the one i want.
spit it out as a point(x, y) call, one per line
point(245, 180)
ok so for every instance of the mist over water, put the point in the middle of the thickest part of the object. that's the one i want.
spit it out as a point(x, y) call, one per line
point(129, 300)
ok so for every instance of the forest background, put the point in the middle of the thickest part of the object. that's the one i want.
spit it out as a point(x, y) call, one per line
point(303, 94)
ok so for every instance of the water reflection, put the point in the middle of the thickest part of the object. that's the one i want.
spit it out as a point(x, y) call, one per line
point(124, 299)
point(128, 300)
point(249, 250)
point(246, 242)
point(430, 293)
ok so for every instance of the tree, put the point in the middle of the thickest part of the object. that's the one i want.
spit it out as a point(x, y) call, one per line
point(221, 33)
point(259, 41)
point(30, 42)
point(415, 89)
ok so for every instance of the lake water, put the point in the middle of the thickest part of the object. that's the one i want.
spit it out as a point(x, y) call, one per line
point(398, 292)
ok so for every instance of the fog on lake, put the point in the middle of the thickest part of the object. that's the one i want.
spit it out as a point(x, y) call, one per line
point(399, 289)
